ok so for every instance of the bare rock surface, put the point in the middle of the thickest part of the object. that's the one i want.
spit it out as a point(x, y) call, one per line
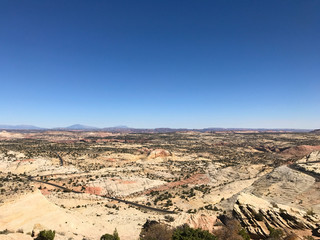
point(34, 212)
point(14, 236)
point(300, 151)
point(202, 219)
point(310, 164)
point(282, 185)
point(34, 209)
point(313, 156)
point(159, 153)
point(259, 215)
point(122, 186)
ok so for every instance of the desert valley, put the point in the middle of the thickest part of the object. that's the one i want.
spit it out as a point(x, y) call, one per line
point(83, 184)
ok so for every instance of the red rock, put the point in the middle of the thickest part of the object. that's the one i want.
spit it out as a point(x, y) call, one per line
point(93, 190)
point(300, 151)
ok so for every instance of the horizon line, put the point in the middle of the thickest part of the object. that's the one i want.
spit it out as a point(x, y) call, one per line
point(83, 126)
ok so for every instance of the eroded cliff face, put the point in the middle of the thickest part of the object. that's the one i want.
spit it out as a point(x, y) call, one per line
point(312, 157)
point(309, 164)
point(259, 216)
point(202, 219)
point(287, 198)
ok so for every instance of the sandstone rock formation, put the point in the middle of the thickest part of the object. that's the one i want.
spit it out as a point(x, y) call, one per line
point(309, 164)
point(201, 219)
point(313, 156)
point(259, 216)
point(300, 151)
point(159, 153)
point(15, 215)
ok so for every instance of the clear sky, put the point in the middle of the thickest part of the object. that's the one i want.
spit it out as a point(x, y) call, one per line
point(158, 63)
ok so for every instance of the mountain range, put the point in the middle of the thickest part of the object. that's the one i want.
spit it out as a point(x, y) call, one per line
point(72, 127)
point(20, 127)
point(122, 128)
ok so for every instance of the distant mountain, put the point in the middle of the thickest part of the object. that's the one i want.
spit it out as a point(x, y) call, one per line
point(252, 129)
point(120, 126)
point(125, 129)
point(84, 127)
point(81, 127)
point(316, 131)
point(120, 129)
point(20, 127)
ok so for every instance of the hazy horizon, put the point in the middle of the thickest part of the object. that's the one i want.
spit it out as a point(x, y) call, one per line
point(151, 64)
point(131, 127)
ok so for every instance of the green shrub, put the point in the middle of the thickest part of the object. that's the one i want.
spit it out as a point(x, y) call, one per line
point(231, 230)
point(46, 235)
point(186, 233)
point(244, 234)
point(275, 234)
point(6, 231)
point(116, 235)
point(258, 216)
point(310, 212)
point(169, 218)
point(308, 238)
point(107, 236)
point(153, 230)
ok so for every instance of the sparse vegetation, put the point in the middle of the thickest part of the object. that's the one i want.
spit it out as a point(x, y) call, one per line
point(275, 234)
point(46, 235)
point(308, 238)
point(114, 236)
point(310, 212)
point(232, 230)
point(186, 233)
point(154, 230)
point(199, 178)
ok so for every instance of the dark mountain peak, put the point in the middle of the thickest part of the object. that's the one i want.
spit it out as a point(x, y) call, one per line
point(316, 131)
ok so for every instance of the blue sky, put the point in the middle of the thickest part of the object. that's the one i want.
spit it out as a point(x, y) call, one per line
point(161, 63)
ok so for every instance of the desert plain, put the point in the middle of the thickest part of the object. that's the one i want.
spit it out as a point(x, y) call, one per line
point(83, 184)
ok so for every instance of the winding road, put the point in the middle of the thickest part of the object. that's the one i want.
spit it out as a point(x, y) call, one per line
point(111, 198)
